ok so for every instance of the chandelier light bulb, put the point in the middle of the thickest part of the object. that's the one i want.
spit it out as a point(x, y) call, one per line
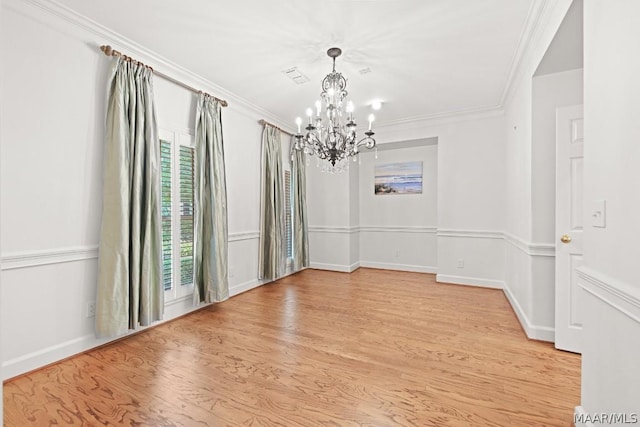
point(318, 106)
point(349, 107)
point(371, 119)
point(298, 122)
point(376, 105)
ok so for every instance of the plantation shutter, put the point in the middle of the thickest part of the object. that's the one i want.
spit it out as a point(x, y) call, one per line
point(165, 207)
point(287, 215)
point(186, 215)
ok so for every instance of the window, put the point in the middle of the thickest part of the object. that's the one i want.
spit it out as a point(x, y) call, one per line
point(288, 213)
point(177, 182)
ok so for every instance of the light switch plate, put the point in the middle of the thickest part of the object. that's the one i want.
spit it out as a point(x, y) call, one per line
point(598, 213)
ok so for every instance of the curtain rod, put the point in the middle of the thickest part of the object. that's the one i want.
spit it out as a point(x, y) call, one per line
point(109, 51)
point(264, 122)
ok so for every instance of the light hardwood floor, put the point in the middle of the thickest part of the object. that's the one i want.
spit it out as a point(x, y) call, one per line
point(372, 348)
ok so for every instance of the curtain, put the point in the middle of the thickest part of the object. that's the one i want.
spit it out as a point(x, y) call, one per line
point(129, 267)
point(211, 245)
point(273, 253)
point(299, 204)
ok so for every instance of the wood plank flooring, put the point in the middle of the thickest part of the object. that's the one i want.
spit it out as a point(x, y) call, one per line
point(371, 348)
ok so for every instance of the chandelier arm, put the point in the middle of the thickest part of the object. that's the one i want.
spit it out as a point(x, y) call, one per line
point(368, 141)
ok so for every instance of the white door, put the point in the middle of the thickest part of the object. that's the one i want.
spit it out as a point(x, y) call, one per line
point(569, 225)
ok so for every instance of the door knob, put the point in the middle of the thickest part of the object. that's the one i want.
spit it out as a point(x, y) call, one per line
point(565, 238)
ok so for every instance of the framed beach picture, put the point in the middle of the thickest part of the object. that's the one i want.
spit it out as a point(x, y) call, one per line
point(398, 178)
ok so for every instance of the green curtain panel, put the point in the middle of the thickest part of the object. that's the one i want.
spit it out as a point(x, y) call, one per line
point(299, 205)
point(272, 258)
point(129, 268)
point(211, 242)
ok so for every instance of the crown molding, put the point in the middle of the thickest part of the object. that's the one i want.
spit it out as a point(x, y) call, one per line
point(443, 118)
point(119, 42)
point(531, 25)
point(537, 17)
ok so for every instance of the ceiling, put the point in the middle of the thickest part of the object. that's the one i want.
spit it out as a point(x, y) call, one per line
point(426, 57)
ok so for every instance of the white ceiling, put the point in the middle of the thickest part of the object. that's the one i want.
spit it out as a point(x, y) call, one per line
point(427, 57)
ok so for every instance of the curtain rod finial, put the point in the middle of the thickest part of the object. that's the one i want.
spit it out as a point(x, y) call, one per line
point(108, 50)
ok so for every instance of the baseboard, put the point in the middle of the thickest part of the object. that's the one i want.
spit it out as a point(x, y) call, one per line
point(470, 281)
point(578, 414)
point(45, 356)
point(57, 352)
point(335, 267)
point(540, 333)
point(399, 267)
point(244, 287)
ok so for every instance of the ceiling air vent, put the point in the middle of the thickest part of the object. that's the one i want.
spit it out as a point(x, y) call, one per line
point(295, 75)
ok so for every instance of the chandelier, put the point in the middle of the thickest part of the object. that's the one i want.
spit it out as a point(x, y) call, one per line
point(331, 135)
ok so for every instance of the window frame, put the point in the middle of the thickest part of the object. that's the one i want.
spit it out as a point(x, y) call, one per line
point(286, 168)
point(177, 139)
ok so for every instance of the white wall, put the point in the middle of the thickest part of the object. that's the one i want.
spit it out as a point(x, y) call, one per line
point(469, 207)
point(530, 277)
point(471, 194)
point(1, 96)
point(549, 92)
point(610, 368)
point(399, 232)
point(354, 213)
point(471, 202)
point(51, 177)
point(529, 256)
point(331, 211)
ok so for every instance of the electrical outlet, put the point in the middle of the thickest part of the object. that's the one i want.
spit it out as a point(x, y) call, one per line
point(232, 272)
point(460, 263)
point(91, 309)
point(397, 253)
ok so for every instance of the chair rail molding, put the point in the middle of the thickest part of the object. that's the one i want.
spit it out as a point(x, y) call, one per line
point(477, 234)
point(398, 229)
point(333, 229)
point(529, 248)
point(26, 259)
point(616, 293)
point(243, 235)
